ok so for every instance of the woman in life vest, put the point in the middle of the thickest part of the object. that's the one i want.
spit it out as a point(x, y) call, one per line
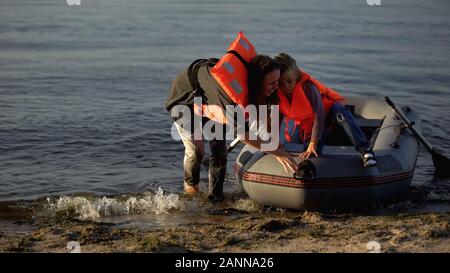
point(220, 84)
point(309, 108)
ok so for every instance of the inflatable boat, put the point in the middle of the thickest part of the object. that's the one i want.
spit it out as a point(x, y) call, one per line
point(339, 179)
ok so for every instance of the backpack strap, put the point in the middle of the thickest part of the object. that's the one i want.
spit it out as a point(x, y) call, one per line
point(243, 61)
point(193, 75)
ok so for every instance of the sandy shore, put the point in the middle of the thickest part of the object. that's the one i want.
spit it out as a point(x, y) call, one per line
point(242, 232)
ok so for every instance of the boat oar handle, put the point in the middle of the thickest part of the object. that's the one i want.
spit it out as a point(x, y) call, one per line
point(306, 171)
point(388, 100)
point(409, 124)
point(229, 149)
point(298, 176)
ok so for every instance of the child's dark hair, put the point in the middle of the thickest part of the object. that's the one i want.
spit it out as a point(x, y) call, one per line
point(286, 63)
point(258, 68)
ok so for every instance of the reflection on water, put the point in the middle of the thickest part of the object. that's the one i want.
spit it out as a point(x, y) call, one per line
point(82, 89)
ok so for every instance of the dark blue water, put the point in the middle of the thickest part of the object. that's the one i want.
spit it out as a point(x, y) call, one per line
point(82, 89)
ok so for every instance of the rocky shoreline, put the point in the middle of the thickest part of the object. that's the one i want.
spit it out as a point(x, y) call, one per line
point(241, 232)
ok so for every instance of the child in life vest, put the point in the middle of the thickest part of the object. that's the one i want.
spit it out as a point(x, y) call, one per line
point(307, 105)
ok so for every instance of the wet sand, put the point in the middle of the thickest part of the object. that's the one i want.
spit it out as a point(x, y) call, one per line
point(237, 231)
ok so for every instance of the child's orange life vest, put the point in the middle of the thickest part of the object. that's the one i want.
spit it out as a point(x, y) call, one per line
point(300, 109)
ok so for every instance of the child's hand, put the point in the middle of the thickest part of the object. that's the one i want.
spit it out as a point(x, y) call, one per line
point(312, 150)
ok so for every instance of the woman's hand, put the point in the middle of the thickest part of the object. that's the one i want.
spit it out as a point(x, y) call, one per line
point(312, 150)
point(280, 154)
point(286, 160)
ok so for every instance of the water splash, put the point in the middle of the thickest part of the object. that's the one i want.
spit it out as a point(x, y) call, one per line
point(248, 205)
point(436, 195)
point(83, 208)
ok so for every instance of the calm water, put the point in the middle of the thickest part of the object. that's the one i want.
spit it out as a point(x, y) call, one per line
point(82, 89)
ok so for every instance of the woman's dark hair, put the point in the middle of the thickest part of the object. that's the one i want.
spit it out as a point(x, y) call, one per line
point(258, 68)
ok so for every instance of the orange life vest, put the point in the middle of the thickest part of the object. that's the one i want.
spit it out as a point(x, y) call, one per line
point(300, 109)
point(231, 74)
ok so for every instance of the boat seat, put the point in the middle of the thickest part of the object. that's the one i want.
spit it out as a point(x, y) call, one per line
point(364, 122)
point(338, 137)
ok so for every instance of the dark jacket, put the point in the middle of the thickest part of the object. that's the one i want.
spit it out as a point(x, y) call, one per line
point(181, 92)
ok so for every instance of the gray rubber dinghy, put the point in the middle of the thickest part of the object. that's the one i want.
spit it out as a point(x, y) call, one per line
point(338, 178)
